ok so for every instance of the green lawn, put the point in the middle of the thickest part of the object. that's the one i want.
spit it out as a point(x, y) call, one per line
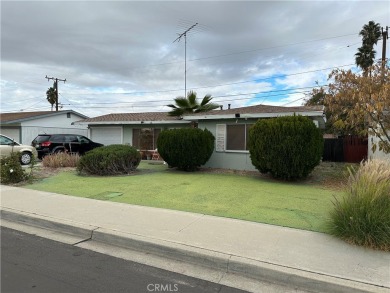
point(249, 197)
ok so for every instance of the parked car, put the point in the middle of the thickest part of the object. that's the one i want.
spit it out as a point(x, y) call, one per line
point(8, 145)
point(56, 143)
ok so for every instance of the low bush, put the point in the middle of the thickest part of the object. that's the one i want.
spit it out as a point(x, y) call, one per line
point(110, 160)
point(287, 147)
point(11, 169)
point(362, 216)
point(186, 148)
point(59, 160)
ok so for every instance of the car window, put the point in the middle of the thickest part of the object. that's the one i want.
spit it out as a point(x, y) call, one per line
point(5, 140)
point(70, 138)
point(83, 139)
point(42, 138)
point(57, 138)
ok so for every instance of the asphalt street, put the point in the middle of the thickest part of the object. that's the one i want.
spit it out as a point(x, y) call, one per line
point(33, 264)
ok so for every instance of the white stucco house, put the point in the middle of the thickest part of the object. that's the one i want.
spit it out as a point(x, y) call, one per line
point(23, 127)
point(230, 128)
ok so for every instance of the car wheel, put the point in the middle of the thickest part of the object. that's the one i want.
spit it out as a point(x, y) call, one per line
point(58, 151)
point(25, 158)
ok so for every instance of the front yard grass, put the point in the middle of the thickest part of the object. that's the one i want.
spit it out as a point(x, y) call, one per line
point(253, 197)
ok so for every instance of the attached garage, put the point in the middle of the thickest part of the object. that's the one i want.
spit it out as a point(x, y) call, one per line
point(107, 135)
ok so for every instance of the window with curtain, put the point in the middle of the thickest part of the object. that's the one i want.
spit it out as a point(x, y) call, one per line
point(237, 137)
point(145, 138)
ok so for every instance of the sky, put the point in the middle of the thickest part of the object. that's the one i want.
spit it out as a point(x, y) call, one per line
point(132, 56)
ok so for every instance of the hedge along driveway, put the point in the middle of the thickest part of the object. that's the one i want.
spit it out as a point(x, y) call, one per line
point(251, 198)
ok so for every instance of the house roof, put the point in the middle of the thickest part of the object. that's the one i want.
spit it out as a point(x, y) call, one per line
point(8, 118)
point(258, 111)
point(264, 109)
point(133, 118)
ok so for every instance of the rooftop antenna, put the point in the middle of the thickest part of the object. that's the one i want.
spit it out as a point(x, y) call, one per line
point(185, 54)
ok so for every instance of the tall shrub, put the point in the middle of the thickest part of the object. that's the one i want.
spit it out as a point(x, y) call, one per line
point(110, 160)
point(287, 147)
point(186, 148)
point(362, 216)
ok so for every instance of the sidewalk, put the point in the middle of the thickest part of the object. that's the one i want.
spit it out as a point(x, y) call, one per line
point(309, 260)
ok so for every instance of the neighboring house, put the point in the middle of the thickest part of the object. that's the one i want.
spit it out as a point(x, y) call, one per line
point(230, 128)
point(23, 127)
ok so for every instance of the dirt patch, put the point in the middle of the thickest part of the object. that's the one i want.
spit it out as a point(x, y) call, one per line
point(40, 173)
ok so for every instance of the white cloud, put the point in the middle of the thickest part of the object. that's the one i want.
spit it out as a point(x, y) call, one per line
point(111, 47)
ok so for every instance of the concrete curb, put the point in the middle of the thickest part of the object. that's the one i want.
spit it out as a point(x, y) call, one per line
point(227, 263)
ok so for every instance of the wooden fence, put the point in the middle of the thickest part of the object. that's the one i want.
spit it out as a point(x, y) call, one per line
point(350, 148)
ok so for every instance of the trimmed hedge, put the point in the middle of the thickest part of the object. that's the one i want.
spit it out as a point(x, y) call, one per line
point(110, 160)
point(287, 147)
point(186, 148)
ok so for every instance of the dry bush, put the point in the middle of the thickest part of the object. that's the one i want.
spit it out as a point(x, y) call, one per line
point(61, 160)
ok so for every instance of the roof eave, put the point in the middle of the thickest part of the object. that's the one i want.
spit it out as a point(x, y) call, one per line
point(131, 122)
point(251, 115)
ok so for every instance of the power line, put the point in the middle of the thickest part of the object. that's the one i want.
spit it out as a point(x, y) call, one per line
point(217, 85)
point(280, 93)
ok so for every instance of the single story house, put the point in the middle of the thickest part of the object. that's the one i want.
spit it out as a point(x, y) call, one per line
point(23, 127)
point(230, 128)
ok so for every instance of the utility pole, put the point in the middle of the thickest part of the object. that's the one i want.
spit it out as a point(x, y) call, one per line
point(185, 54)
point(56, 87)
point(385, 36)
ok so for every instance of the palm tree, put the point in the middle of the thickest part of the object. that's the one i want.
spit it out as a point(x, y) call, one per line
point(365, 56)
point(191, 105)
point(51, 96)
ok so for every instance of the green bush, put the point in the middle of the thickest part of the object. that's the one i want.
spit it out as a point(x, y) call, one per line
point(186, 148)
point(110, 160)
point(287, 147)
point(362, 216)
point(11, 169)
point(60, 160)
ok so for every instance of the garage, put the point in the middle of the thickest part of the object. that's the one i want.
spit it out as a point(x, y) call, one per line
point(107, 135)
point(13, 133)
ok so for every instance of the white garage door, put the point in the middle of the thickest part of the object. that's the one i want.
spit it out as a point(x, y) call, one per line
point(13, 133)
point(107, 135)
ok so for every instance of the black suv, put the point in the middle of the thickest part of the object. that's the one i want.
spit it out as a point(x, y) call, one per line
point(56, 143)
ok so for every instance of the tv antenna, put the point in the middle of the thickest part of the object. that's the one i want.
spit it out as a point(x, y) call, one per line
point(184, 34)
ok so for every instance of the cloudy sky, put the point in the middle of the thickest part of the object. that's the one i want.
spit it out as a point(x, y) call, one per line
point(121, 56)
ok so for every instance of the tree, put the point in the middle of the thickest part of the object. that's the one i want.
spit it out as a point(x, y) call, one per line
point(365, 56)
point(191, 105)
point(361, 103)
point(51, 96)
point(317, 98)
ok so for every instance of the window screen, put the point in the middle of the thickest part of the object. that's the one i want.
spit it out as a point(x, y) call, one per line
point(235, 137)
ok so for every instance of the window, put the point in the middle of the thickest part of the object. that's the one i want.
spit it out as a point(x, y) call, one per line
point(237, 137)
point(145, 138)
point(67, 115)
